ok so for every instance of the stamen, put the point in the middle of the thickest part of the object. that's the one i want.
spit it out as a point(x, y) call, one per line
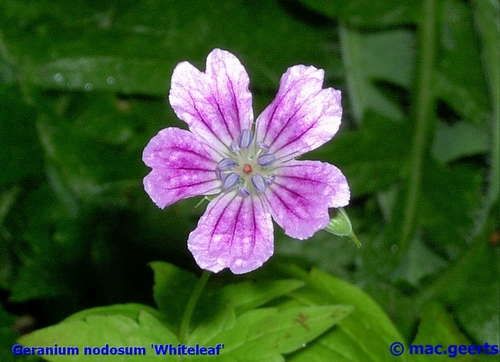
point(266, 159)
point(271, 179)
point(246, 138)
point(230, 181)
point(259, 182)
point(226, 163)
point(234, 146)
point(243, 191)
point(263, 146)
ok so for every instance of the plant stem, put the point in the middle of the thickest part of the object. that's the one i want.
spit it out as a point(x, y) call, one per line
point(193, 299)
point(487, 25)
point(423, 112)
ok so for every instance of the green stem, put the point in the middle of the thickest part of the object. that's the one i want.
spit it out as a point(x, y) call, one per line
point(193, 299)
point(488, 28)
point(423, 112)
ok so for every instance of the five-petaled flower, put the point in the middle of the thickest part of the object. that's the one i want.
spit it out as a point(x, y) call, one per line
point(250, 165)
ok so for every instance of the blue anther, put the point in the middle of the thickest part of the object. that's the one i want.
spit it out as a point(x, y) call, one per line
point(271, 179)
point(226, 163)
point(246, 138)
point(266, 159)
point(234, 146)
point(243, 191)
point(230, 181)
point(263, 146)
point(259, 182)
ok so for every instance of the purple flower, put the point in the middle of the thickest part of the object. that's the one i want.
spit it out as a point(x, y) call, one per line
point(250, 166)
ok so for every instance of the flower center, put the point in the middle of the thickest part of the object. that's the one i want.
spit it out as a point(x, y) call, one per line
point(248, 166)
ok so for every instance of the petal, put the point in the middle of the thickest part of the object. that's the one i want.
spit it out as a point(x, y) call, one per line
point(217, 104)
point(302, 117)
point(301, 194)
point(183, 166)
point(234, 233)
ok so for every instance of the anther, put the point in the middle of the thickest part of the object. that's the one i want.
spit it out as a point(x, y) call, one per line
point(266, 159)
point(271, 179)
point(234, 146)
point(259, 182)
point(243, 191)
point(246, 138)
point(226, 163)
point(230, 181)
point(263, 146)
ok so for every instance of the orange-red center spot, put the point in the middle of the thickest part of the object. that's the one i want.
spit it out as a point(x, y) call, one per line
point(247, 168)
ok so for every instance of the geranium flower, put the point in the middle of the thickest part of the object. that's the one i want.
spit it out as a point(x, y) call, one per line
point(250, 165)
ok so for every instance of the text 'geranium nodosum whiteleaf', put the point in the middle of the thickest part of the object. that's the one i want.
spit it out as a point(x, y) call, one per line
point(250, 165)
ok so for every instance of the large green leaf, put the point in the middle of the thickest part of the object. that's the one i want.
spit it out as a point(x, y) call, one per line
point(8, 335)
point(374, 58)
point(461, 139)
point(471, 287)
point(381, 13)
point(488, 28)
point(133, 48)
point(372, 158)
point(20, 154)
point(459, 78)
point(171, 290)
point(101, 332)
point(50, 248)
point(365, 335)
point(439, 339)
point(247, 295)
point(264, 334)
point(130, 310)
point(446, 213)
point(88, 175)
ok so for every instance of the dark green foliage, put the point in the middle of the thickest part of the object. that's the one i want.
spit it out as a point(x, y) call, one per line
point(83, 88)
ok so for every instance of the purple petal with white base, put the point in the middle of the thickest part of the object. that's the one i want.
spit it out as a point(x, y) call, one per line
point(234, 233)
point(302, 117)
point(183, 166)
point(301, 194)
point(216, 104)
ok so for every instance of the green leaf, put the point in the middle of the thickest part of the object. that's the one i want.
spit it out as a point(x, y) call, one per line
point(418, 262)
point(446, 213)
point(171, 290)
point(459, 140)
point(48, 235)
point(382, 13)
point(20, 154)
point(365, 335)
point(212, 325)
point(132, 49)
point(7, 334)
point(438, 328)
point(264, 334)
point(105, 331)
point(386, 57)
point(488, 24)
point(465, 91)
point(77, 175)
point(130, 310)
point(372, 158)
point(247, 295)
point(471, 287)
